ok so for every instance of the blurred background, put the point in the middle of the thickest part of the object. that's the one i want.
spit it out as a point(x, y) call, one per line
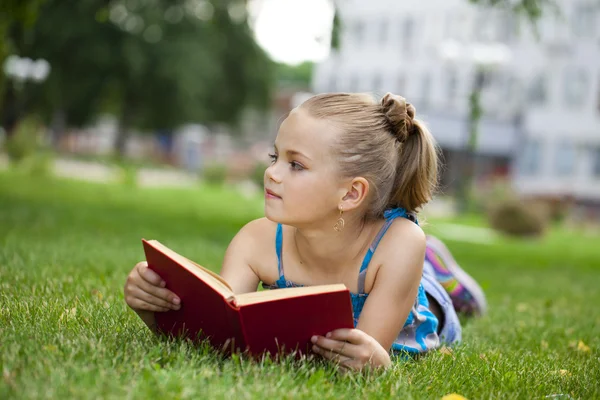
point(173, 92)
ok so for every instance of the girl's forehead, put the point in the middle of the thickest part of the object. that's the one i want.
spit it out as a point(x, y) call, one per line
point(306, 134)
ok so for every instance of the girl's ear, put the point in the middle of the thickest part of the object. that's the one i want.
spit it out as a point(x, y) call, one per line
point(356, 194)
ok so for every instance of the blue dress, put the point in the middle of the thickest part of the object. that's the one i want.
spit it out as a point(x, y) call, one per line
point(419, 333)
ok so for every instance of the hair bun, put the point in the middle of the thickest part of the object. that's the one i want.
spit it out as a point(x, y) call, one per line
point(400, 114)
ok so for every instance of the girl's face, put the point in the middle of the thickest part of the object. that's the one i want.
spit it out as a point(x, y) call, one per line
point(302, 186)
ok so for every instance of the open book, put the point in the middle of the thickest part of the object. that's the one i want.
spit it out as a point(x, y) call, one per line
point(274, 321)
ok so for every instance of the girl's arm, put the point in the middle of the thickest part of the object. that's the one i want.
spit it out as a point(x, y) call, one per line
point(237, 267)
point(390, 300)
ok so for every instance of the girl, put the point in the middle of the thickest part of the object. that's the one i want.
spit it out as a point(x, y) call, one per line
point(346, 179)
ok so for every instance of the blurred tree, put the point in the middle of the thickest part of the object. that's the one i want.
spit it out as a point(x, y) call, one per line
point(530, 9)
point(155, 64)
point(295, 75)
point(14, 15)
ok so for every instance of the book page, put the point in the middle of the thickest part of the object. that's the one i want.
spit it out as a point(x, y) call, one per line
point(277, 294)
point(208, 276)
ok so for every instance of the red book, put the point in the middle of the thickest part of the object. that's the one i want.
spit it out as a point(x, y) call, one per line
point(274, 321)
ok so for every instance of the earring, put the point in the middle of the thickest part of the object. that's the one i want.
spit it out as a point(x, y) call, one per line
point(339, 225)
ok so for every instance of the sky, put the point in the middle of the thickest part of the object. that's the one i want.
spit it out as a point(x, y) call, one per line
point(293, 31)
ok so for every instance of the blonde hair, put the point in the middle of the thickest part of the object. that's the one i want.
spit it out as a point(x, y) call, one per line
point(382, 142)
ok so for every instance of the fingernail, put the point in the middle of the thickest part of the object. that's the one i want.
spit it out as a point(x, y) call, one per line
point(313, 339)
point(163, 283)
point(328, 334)
point(176, 301)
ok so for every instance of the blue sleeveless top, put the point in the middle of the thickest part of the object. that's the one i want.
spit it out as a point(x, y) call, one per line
point(419, 333)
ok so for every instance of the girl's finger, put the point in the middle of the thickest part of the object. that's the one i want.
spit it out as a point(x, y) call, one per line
point(150, 276)
point(332, 355)
point(146, 297)
point(142, 305)
point(336, 346)
point(354, 336)
point(161, 293)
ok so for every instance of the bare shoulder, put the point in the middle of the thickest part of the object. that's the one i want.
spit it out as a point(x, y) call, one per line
point(257, 239)
point(403, 237)
point(401, 251)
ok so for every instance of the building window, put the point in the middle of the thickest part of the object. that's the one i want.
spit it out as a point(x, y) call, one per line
point(507, 27)
point(401, 84)
point(425, 89)
point(575, 86)
point(530, 159)
point(596, 162)
point(565, 158)
point(383, 32)
point(376, 82)
point(408, 28)
point(358, 32)
point(583, 20)
point(333, 82)
point(353, 86)
point(538, 91)
point(451, 85)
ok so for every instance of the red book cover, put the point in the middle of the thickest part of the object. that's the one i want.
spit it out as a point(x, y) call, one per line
point(285, 325)
point(279, 321)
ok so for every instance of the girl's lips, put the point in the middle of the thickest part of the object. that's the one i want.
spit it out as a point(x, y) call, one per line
point(271, 195)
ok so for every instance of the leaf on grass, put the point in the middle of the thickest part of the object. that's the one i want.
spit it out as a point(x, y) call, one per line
point(50, 347)
point(453, 396)
point(522, 307)
point(68, 313)
point(97, 294)
point(583, 347)
point(447, 351)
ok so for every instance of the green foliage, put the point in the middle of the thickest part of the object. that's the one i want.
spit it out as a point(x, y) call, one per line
point(128, 175)
point(530, 9)
point(296, 75)
point(24, 141)
point(515, 217)
point(40, 164)
point(214, 174)
point(336, 30)
point(67, 247)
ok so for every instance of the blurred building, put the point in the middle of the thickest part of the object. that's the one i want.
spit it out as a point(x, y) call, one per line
point(541, 126)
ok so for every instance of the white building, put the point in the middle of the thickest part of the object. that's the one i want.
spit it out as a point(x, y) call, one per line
point(542, 103)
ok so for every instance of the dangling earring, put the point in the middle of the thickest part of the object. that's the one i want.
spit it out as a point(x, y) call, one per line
point(339, 225)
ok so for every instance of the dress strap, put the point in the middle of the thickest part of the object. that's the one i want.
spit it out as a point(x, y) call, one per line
point(278, 245)
point(389, 215)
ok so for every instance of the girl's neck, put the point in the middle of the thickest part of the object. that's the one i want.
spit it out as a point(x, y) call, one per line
point(322, 250)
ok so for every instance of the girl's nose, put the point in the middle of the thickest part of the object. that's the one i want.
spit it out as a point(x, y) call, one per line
point(271, 173)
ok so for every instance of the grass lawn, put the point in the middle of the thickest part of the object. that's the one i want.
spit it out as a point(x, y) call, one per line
point(65, 331)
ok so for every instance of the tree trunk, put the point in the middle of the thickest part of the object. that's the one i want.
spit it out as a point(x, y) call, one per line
point(123, 134)
point(10, 110)
point(469, 153)
point(58, 125)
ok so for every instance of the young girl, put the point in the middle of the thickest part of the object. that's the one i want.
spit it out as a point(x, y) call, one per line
point(346, 179)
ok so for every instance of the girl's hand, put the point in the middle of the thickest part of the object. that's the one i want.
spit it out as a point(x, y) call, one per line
point(145, 291)
point(352, 349)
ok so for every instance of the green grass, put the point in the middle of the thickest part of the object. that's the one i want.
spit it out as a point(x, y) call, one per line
point(65, 331)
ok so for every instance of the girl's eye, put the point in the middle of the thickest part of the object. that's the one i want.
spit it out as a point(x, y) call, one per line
point(273, 158)
point(296, 166)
